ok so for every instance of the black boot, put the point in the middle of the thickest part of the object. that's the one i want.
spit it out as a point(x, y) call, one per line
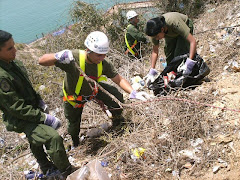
point(76, 141)
point(53, 174)
point(69, 170)
point(117, 122)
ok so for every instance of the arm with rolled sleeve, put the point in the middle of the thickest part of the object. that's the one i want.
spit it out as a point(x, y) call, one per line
point(154, 56)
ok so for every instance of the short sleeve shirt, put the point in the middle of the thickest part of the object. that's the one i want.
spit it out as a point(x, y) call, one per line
point(72, 74)
point(176, 24)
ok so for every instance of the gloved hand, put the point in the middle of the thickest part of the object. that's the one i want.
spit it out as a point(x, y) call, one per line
point(139, 95)
point(151, 76)
point(188, 66)
point(64, 56)
point(43, 106)
point(52, 121)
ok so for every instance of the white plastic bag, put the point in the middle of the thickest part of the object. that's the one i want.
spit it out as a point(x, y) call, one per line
point(92, 171)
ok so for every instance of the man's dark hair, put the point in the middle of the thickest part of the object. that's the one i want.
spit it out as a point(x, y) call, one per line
point(154, 26)
point(4, 37)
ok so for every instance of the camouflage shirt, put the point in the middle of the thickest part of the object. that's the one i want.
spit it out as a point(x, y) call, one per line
point(19, 101)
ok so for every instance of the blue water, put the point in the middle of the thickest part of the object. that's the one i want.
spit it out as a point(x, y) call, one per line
point(27, 20)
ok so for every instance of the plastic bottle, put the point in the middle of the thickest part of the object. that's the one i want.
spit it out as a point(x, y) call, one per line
point(2, 143)
point(84, 173)
point(163, 63)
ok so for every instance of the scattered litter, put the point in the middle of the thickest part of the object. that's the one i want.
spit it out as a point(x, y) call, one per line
point(92, 170)
point(168, 170)
point(71, 159)
point(32, 162)
point(196, 142)
point(59, 32)
point(232, 147)
point(190, 154)
point(22, 135)
point(163, 63)
point(216, 169)
point(188, 165)
point(109, 114)
point(137, 153)
point(82, 138)
point(212, 49)
point(80, 174)
point(235, 66)
point(212, 10)
point(171, 75)
point(164, 136)
point(104, 163)
point(223, 163)
point(42, 87)
point(36, 166)
point(137, 82)
point(2, 143)
point(175, 173)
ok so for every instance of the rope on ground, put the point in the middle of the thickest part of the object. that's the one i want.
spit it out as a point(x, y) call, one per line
point(169, 98)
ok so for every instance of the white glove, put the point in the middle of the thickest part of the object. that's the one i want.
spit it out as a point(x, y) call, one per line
point(64, 56)
point(52, 121)
point(188, 66)
point(139, 95)
point(151, 76)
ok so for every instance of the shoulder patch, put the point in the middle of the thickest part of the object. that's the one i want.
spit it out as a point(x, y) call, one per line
point(4, 85)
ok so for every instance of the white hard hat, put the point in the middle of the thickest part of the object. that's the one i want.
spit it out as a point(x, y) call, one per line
point(131, 14)
point(97, 42)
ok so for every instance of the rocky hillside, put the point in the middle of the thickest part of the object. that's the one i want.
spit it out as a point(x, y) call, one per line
point(188, 134)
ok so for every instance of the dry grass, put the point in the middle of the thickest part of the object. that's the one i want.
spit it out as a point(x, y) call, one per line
point(166, 127)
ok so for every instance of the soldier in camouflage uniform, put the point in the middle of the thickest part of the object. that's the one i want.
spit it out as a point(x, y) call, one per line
point(25, 111)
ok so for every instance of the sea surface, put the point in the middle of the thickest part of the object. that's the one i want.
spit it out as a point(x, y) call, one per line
point(28, 20)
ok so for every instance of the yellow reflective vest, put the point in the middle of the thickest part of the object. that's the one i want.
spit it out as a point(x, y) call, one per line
point(72, 98)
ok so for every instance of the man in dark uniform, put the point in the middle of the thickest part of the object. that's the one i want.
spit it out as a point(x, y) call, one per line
point(24, 111)
point(133, 36)
point(177, 30)
point(77, 90)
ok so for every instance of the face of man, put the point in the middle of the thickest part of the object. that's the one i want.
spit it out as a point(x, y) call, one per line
point(160, 35)
point(8, 51)
point(95, 58)
point(136, 20)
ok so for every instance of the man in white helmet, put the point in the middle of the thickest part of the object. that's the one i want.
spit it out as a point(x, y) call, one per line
point(76, 89)
point(133, 36)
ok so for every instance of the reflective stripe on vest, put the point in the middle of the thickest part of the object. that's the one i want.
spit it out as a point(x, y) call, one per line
point(72, 98)
point(128, 46)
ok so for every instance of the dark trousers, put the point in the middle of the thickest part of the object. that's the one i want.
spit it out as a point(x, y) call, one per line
point(39, 135)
